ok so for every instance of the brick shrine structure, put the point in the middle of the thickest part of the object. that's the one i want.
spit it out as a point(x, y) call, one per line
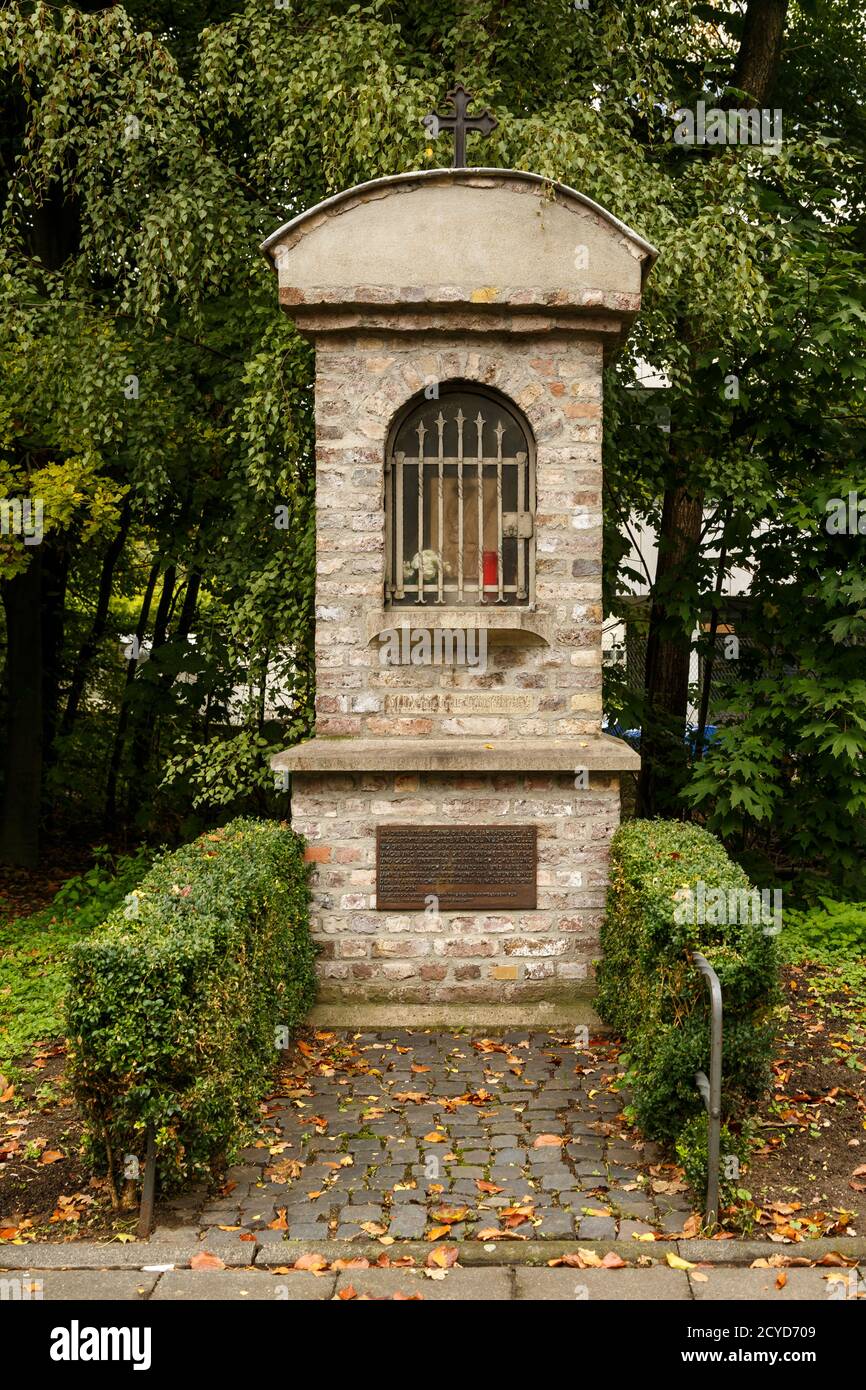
point(425, 293)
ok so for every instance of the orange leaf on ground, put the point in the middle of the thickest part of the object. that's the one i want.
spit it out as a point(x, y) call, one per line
point(450, 1214)
point(205, 1260)
point(546, 1141)
point(443, 1257)
point(434, 1138)
point(436, 1232)
point(348, 1292)
point(311, 1261)
point(51, 1156)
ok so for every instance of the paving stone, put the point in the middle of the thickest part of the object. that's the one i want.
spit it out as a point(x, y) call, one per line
point(477, 1284)
point(254, 1156)
point(670, 1221)
point(175, 1234)
point(388, 1174)
point(222, 1241)
point(217, 1216)
point(408, 1223)
point(304, 1211)
point(86, 1254)
point(627, 1229)
point(251, 1285)
point(361, 1212)
point(86, 1285)
point(585, 1152)
point(596, 1227)
point(621, 1285)
point(556, 1223)
point(560, 1182)
point(622, 1153)
point(635, 1211)
point(517, 1156)
point(749, 1285)
point(277, 1237)
point(308, 1230)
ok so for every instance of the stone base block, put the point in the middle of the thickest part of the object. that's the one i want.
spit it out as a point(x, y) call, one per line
point(478, 958)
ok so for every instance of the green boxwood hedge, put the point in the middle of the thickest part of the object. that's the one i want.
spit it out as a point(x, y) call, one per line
point(651, 994)
point(176, 1005)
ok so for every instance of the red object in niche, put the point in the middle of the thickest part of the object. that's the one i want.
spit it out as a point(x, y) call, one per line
point(491, 569)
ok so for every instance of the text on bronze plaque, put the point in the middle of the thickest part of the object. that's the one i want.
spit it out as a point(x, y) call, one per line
point(491, 867)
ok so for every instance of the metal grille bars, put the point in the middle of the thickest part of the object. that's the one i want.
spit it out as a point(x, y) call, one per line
point(459, 506)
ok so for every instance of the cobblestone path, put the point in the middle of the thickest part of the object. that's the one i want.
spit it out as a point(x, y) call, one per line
point(401, 1134)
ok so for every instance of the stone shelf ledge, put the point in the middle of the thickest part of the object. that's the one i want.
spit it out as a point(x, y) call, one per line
point(501, 621)
point(602, 753)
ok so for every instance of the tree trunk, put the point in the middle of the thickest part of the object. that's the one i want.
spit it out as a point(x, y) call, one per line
point(55, 574)
point(123, 717)
point(22, 785)
point(664, 758)
point(663, 749)
point(145, 718)
point(760, 48)
point(34, 601)
point(97, 629)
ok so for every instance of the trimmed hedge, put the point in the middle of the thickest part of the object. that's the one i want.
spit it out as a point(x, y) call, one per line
point(651, 994)
point(174, 1002)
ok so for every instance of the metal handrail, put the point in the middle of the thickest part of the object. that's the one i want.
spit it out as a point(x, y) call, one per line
point(711, 1091)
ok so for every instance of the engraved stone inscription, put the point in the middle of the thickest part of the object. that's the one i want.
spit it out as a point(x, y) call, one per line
point(491, 867)
point(461, 702)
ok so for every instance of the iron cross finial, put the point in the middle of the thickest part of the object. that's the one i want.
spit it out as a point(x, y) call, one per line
point(460, 122)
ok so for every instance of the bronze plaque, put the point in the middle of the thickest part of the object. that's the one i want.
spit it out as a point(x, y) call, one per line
point(463, 866)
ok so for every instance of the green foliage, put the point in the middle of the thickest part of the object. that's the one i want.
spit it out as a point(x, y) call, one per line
point(148, 148)
point(691, 1153)
point(653, 995)
point(33, 950)
point(174, 1005)
point(828, 932)
point(786, 774)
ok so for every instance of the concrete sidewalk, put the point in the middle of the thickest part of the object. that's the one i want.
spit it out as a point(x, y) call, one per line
point(160, 1271)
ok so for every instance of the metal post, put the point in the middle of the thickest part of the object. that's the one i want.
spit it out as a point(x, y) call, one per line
point(711, 1091)
point(148, 1187)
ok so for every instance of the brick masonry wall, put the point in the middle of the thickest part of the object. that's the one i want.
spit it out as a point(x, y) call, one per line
point(456, 957)
point(362, 381)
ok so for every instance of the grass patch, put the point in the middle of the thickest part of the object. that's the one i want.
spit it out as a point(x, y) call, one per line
point(34, 951)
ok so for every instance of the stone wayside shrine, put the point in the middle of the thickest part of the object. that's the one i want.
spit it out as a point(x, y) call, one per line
point(458, 797)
